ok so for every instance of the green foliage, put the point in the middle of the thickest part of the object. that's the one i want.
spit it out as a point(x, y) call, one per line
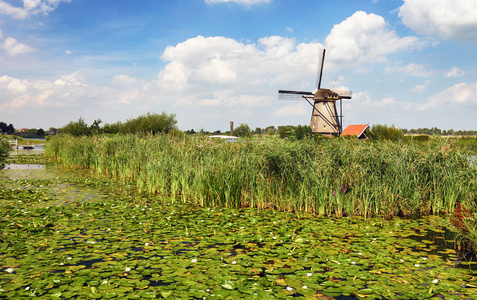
point(243, 131)
point(74, 236)
point(337, 176)
point(286, 131)
point(151, 123)
point(303, 132)
point(384, 132)
point(6, 129)
point(77, 128)
point(5, 149)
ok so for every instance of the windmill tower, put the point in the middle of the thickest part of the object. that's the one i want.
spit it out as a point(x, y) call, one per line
point(324, 117)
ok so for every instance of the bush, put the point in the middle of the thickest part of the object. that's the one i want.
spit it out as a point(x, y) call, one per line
point(4, 149)
point(303, 132)
point(77, 128)
point(151, 123)
point(243, 131)
point(384, 132)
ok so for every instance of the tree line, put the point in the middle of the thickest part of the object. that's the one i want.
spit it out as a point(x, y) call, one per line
point(150, 123)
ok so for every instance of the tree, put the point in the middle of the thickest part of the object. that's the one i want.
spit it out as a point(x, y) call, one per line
point(77, 128)
point(286, 131)
point(303, 132)
point(40, 132)
point(243, 131)
point(151, 123)
point(4, 149)
point(270, 130)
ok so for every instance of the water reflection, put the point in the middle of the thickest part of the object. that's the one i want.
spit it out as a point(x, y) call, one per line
point(23, 167)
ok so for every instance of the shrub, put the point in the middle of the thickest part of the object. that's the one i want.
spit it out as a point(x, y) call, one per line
point(151, 123)
point(384, 132)
point(77, 128)
point(4, 149)
point(243, 131)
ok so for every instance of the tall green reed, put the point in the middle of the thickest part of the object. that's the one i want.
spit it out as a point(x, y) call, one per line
point(338, 176)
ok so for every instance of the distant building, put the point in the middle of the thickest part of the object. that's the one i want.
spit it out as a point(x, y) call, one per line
point(53, 131)
point(22, 130)
point(355, 130)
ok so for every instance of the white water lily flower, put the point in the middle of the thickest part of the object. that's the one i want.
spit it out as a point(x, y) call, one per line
point(401, 260)
point(309, 274)
point(416, 265)
point(9, 270)
point(104, 282)
point(289, 288)
point(360, 253)
point(27, 288)
point(424, 258)
point(127, 269)
point(304, 287)
point(435, 281)
point(353, 262)
point(234, 262)
point(146, 244)
point(194, 260)
point(69, 258)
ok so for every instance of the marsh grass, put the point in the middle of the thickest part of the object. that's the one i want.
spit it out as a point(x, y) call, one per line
point(339, 176)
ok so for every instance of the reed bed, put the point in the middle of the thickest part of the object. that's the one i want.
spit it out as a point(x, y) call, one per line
point(337, 176)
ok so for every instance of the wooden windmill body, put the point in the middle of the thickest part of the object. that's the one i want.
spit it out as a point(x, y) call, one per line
point(324, 118)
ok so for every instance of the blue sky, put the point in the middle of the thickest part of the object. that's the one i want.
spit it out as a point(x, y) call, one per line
point(409, 63)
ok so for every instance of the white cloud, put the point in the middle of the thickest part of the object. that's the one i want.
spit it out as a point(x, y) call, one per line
point(13, 85)
point(364, 100)
point(30, 7)
point(293, 110)
point(416, 70)
point(454, 72)
point(450, 19)
point(363, 39)
point(420, 87)
point(222, 69)
point(244, 2)
point(67, 52)
point(12, 47)
point(456, 95)
point(122, 79)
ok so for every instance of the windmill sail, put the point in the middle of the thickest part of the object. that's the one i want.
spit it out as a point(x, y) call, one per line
point(324, 117)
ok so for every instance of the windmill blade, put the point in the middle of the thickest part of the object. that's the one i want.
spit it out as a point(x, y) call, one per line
point(321, 62)
point(292, 95)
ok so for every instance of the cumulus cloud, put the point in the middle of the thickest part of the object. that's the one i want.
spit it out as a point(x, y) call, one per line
point(365, 38)
point(30, 7)
point(456, 95)
point(450, 19)
point(244, 2)
point(65, 91)
point(220, 68)
point(12, 47)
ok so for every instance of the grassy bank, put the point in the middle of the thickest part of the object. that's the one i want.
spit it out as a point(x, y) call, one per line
point(341, 177)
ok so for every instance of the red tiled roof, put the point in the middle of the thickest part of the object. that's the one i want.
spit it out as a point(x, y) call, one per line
point(352, 130)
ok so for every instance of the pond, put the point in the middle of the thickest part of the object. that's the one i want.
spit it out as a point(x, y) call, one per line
point(66, 234)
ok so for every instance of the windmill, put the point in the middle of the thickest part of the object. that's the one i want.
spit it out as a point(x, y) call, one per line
point(324, 118)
